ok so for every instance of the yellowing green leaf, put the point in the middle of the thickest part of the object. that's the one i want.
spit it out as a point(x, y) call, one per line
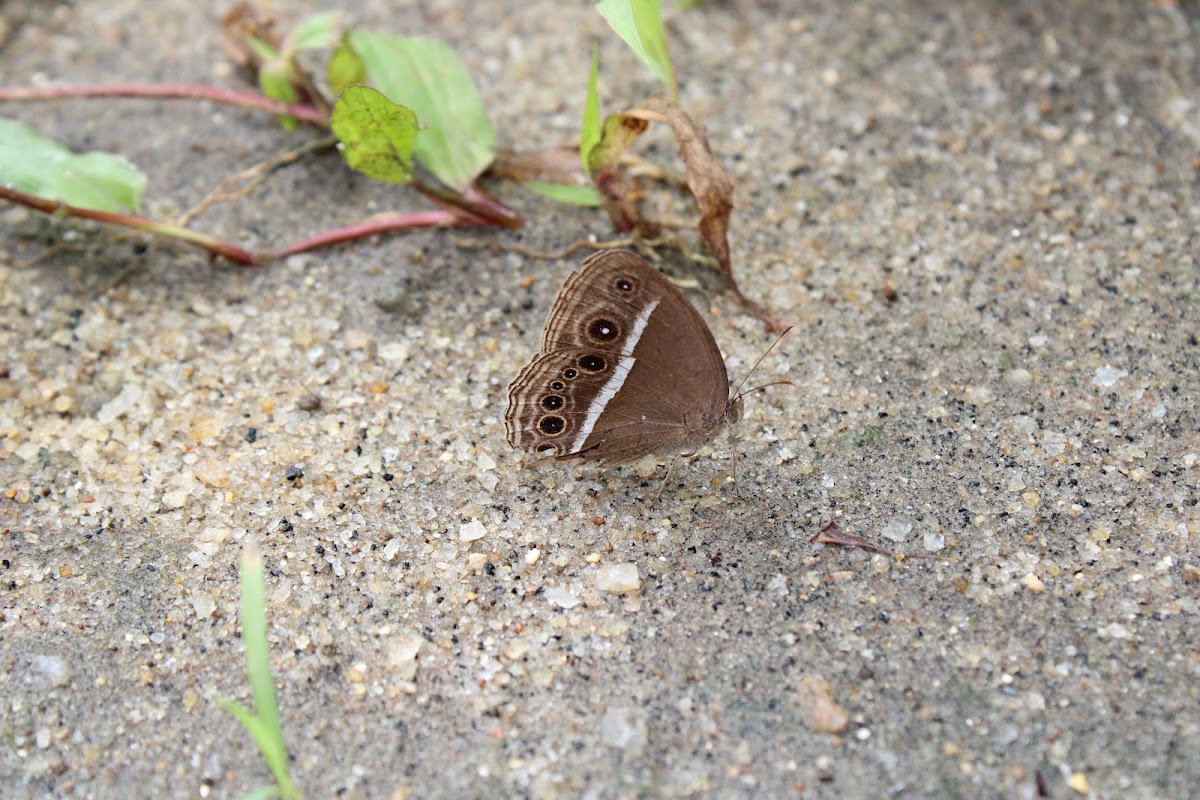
point(345, 68)
point(376, 134)
point(427, 76)
point(619, 132)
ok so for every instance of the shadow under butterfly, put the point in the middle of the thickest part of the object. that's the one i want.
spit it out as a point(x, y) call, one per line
point(627, 368)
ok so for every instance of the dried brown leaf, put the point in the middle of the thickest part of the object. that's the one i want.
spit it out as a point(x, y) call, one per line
point(241, 24)
point(555, 165)
point(710, 184)
point(832, 534)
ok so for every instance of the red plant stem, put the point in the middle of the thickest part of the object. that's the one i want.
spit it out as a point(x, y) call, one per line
point(479, 206)
point(188, 91)
point(381, 223)
point(232, 252)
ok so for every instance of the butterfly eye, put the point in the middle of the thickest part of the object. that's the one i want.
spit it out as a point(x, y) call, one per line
point(624, 285)
point(553, 402)
point(557, 386)
point(592, 363)
point(552, 425)
point(603, 330)
point(570, 373)
point(547, 450)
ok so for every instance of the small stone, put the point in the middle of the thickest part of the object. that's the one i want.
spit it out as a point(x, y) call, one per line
point(204, 428)
point(933, 542)
point(625, 728)
point(125, 401)
point(1114, 631)
point(897, 530)
point(618, 578)
point(49, 671)
point(212, 472)
point(471, 531)
point(1078, 783)
point(1033, 583)
point(815, 697)
point(203, 605)
point(356, 673)
point(980, 395)
point(402, 655)
point(394, 352)
point(532, 556)
point(1018, 378)
point(1106, 377)
point(516, 649)
point(561, 597)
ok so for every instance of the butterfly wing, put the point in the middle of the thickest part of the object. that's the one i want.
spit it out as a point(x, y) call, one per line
point(628, 368)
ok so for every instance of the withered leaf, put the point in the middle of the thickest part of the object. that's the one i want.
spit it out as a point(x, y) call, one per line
point(710, 184)
point(554, 165)
point(832, 534)
point(241, 25)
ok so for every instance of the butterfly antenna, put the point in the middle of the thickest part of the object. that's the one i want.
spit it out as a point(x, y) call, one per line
point(738, 393)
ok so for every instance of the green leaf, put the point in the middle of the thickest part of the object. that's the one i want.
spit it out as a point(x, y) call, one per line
point(377, 135)
point(254, 639)
point(428, 77)
point(617, 134)
point(263, 725)
point(262, 793)
point(275, 83)
point(345, 68)
point(589, 132)
point(319, 30)
point(35, 165)
point(265, 50)
point(576, 195)
point(639, 23)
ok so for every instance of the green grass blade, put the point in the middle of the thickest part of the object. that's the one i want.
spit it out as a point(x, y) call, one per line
point(575, 195)
point(589, 132)
point(263, 726)
point(427, 76)
point(639, 23)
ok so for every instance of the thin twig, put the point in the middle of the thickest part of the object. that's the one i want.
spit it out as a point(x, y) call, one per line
point(254, 175)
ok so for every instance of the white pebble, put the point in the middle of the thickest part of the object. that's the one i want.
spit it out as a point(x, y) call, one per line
point(471, 531)
point(618, 578)
point(1107, 376)
point(394, 352)
point(625, 728)
point(932, 542)
point(561, 597)
point(897, 530)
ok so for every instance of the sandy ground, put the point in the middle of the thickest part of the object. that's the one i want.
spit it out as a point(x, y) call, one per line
point(983, 220)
